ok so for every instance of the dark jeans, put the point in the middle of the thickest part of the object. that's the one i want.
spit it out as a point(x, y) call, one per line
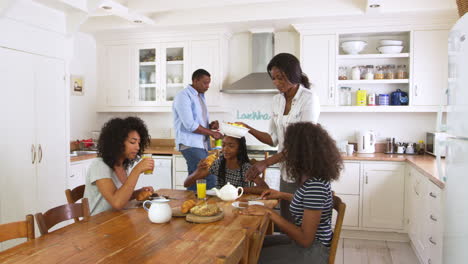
point(193, 156)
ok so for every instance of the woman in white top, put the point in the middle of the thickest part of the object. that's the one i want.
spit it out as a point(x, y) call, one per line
point(295, 103)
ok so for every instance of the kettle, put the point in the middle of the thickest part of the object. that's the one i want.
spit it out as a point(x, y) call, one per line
point(365, 141)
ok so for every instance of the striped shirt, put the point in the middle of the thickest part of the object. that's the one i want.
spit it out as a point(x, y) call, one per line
point(315, 194)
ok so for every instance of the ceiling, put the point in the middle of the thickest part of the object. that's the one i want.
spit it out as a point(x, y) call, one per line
point(239, 15)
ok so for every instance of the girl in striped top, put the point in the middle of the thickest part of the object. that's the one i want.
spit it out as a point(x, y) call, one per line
point(312, 160)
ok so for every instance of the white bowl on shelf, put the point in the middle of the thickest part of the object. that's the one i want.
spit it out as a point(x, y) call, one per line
point(233, 131)
point(390, 49)
point(353, 46)
point(390, 42)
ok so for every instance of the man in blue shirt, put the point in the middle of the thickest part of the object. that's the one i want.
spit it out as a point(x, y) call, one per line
point(192, 127)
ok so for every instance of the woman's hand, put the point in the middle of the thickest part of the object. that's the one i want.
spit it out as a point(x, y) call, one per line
point(143, 193)
point(270, 194)
point(202, 165)
point(255, 210)
point(144, 165)
point(256, 170)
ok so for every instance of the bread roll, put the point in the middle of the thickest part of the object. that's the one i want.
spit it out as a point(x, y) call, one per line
point(143, 195)
point(187, 205)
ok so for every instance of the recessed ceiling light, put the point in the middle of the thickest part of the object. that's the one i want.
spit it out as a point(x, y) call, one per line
point(106, 7)
point(137, 21)
point(374, 6)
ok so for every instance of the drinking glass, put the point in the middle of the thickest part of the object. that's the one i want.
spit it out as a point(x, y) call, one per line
point(147, 156)
point(201, 188)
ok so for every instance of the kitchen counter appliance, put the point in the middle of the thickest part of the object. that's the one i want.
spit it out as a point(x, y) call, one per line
point(365, 141)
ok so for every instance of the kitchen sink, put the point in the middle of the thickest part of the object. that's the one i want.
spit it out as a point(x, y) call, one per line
point(82, 152)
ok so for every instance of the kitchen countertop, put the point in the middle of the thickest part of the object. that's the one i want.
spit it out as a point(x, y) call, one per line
point(425, 164)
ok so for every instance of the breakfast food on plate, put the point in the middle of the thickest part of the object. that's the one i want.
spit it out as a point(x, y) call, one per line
point(143, 195)
point(205, 209)
point(234, 124)
point(187, 205)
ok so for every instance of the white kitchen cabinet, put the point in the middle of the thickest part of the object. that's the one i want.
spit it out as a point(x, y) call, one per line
point(348, 189)
point(180, 172)
point(118, 75)
point(318, 54)
point(78, 172)
point(383, 195)
point(34, 156)
point(430, 67)
point(425, 208)
point(205, 54)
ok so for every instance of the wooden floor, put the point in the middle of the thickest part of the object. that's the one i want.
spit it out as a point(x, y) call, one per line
point(359, 251)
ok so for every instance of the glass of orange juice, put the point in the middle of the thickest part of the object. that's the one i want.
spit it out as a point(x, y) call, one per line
point(201, 188)
point(147, 156)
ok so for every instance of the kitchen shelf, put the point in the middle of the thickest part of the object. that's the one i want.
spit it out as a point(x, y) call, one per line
point(378, 108)
point(176, 62)
point(171, 85)
point(147, 63)
point(147, 85)
point(372, 81)
point(373, 56)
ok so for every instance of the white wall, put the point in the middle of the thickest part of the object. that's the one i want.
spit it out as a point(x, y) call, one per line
point(83, 117)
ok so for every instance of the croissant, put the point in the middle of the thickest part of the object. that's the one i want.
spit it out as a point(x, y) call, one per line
point(210, 159)
point(143, 195)
point(187, 205)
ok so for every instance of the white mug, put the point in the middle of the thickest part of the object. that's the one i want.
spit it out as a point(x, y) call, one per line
point(349, 149)
point(401, 149)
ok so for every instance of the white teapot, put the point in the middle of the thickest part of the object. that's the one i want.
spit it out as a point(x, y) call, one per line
point(228, 192)
point(159, 211)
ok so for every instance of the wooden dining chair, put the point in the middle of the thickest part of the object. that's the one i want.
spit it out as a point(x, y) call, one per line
point(75, 195)
point(235, 256)
point(256, 240)
point(62, 213)
point(18, 229)
point(340, 208)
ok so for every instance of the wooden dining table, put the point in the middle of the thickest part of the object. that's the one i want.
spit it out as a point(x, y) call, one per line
point(128, 236)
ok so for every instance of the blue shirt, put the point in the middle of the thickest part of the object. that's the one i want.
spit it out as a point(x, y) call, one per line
point(188, 116)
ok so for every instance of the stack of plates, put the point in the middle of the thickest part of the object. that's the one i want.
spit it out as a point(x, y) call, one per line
point(390, 46)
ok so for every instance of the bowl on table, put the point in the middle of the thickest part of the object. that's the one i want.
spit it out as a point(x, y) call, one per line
point(353, 46)
point(390, 49)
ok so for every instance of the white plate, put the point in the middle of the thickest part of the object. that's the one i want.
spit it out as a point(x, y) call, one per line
point(236, 203)
point(210, 192)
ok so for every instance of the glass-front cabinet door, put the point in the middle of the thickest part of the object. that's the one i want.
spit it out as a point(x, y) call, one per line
point(175, 76)
point(148, 72)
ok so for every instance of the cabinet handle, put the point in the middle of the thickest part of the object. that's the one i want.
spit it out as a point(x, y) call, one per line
point(33, 154)
point(432, 195)
point(433, 218)
point(432, 241)
point(72, 176)
point(128, 94)
point(415, 90)
point(331, 92)
point(40, 153)
point(367, 179)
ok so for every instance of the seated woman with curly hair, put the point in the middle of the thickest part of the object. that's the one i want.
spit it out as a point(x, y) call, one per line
point(313, 160)
point(109, 184)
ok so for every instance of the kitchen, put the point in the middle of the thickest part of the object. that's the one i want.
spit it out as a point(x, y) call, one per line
point(103, 49)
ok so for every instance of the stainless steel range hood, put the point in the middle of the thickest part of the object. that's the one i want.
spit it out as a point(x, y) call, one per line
point(258, 82)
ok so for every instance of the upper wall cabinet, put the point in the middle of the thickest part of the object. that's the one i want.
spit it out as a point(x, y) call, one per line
point(318, 62)
point(430, 70)
point(387, 77)
point(145, 77)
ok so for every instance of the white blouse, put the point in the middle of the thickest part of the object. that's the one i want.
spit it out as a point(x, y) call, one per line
point(305, 107)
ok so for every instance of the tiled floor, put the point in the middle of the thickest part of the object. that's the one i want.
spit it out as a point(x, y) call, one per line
point(359, 251)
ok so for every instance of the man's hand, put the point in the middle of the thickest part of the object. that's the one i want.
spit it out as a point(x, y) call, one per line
point(214, 125)
point(216, 135)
